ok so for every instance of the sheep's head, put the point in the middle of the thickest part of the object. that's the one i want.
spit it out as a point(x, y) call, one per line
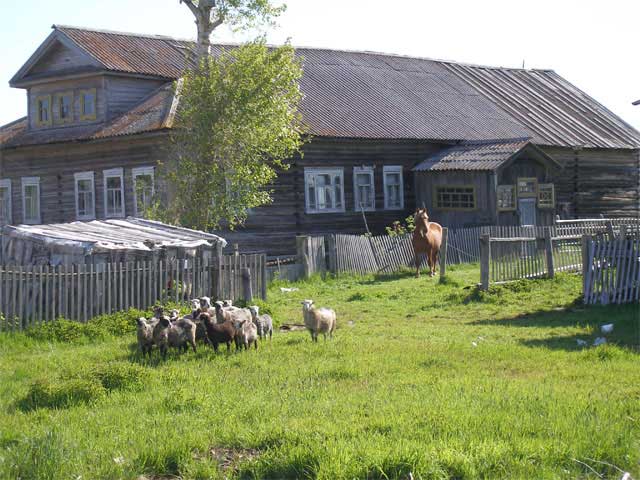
point(158, 311)
point(174, 314)
point(205, 302)
point(205, 318)
point(164, 321)
point(195, 303)
point(306, 305)
point(227, 303)
point(142, 322)
point(218, 306)
point(254, 309)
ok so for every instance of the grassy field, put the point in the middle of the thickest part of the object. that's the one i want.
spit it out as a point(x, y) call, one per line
point(422, 377)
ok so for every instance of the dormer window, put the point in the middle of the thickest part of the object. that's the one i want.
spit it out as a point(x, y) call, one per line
point(64, 107)
point(43, 110)
point(88, 104)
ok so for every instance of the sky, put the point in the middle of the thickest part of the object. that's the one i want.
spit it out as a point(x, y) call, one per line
point(593, 44)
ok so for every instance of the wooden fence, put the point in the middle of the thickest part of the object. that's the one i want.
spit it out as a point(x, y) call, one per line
point(30, 295)
point(611, 270)
point(514, 258)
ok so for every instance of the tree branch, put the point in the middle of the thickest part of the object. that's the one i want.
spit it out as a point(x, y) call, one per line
point(191, 5)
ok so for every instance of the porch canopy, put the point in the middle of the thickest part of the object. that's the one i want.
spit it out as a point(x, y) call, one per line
point(484, 155)
point(101, 241)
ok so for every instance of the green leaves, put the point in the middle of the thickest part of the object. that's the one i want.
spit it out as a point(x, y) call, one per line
point(237, 122)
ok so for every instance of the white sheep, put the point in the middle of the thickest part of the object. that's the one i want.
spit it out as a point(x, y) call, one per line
point(247, 333)
point(318, 320)
point(145, 336)
point(263, 322)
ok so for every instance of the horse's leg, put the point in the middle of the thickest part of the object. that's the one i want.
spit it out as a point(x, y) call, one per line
point(417, 265)
point(434, 261)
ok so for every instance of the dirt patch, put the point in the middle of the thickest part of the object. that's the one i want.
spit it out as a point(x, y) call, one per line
point(229, 458)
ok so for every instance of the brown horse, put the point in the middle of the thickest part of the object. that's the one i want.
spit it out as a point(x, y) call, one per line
point(427, 238)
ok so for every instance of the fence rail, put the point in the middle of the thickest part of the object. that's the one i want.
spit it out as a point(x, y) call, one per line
point(611, 270)
point(30, 295)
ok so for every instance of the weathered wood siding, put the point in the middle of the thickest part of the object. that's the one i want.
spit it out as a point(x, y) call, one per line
point(275, 226)
point(61, 58)
point(598, 181)
point(55, 165)
point(123, 93)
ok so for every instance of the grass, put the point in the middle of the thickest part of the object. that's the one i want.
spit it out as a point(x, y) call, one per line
point(433, 378)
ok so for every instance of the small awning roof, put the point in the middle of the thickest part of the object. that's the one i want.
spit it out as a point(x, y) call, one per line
point(109, 235)
point(486, 155)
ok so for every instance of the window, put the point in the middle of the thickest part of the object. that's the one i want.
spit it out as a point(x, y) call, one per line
point(143, 188)
point(43, 110)
point(364, 195)
point(455, 197)
point(5, 201)
point(113, 193)
point(527, 187)
point(393, 188)
point(64, 107)
point(88, 104)
point(324, 190)
point(31, 199)
point(506, 198)
point(85, 196)
point(546, 195)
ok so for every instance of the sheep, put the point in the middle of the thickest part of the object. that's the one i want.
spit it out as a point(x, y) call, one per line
point(218, 332)
point(161, 334)
point(227, 303)
point(182, 332)
point(247, 334)
point(145, 336)
point(233, 314)
point(263, 322)
point(318, 320)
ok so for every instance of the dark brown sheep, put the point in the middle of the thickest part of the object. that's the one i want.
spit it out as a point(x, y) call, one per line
point(218, 332)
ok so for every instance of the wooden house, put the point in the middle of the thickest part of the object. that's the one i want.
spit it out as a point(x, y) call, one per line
point(101, 107)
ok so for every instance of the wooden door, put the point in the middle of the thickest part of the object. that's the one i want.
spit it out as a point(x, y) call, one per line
point(527, 211)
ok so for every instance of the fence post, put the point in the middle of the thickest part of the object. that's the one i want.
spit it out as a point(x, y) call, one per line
point(330, 244)
point(485, 260)
point(443, 252)
point(263, 271)
point(247, 291)
point(586, 266)
point(218, 272)
point(548, 247)
point(302, 250)
point(610, 230)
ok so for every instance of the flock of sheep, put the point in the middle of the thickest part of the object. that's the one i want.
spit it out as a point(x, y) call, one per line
point(221, 323)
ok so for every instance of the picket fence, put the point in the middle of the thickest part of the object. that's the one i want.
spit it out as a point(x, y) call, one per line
point(611, 270)
point(31, 295)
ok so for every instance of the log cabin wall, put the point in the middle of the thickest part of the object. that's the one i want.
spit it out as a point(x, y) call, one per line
point(598, 181)
point(56, 164)
point(273, 228)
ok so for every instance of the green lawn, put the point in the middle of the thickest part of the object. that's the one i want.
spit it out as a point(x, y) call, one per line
point(431, 378)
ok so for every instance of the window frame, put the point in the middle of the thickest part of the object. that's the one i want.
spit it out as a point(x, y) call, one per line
point(57, 98)
point(29, 182)
point(49, 121)
point(533, 194)
point(545, 186)
point(138, 172)
point(308, 171)
point(113, 173)
point(386, 169)
point(514, 197)
point(369, 170)
point(6, 183)
point(82, 93)
point(455, 209)
point(85, 176)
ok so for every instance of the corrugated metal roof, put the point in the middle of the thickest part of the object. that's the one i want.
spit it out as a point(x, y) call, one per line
point(152, 114)
point(473, 156)
point(557, 112)
point(108, 235)
point(372, 95)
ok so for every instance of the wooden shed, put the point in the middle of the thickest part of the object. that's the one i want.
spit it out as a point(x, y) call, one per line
point(104, 241)
point(493, 182)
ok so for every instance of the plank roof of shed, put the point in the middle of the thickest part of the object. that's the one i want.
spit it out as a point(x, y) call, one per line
point(373, 95)
point(116, 234)
point(479, 155)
